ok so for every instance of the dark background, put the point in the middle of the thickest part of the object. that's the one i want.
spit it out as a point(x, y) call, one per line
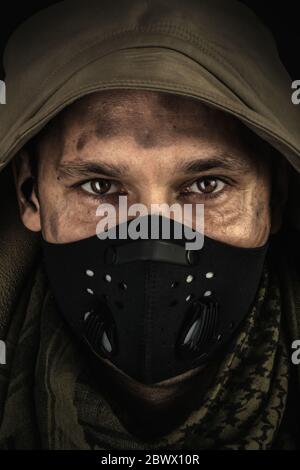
point(283, 18)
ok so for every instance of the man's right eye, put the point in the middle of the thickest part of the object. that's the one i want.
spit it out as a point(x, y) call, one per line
point(100, 187)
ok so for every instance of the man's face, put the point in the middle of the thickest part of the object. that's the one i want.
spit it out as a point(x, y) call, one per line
point(153, 149)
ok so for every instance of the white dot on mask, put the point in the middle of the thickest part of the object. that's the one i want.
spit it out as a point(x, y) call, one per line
point(89, 273)
point(107, 277)
point(207, 293)
point(90, 291)
point(209, 275)
point(86, 315)
point(189, 278)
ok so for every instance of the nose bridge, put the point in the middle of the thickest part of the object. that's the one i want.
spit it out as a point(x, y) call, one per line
point(154, 195)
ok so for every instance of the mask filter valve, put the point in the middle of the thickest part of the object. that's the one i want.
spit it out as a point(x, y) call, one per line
point(199, 330)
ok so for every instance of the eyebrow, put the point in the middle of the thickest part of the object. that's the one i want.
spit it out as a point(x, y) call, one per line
point(224, 161)
point(82, 168)
point(87, 168)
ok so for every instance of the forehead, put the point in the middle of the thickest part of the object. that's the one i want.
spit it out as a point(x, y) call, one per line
point(151, 118)
point(147, 121)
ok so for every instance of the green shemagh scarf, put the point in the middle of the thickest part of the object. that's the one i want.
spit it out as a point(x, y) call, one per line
point(42, 399)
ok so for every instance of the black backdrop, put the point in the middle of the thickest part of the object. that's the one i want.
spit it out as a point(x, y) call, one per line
point(282, 17)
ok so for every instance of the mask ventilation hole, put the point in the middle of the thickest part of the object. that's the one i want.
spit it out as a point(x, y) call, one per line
point(108, 278)
point(209, 275)
point(189, 278)
point(89, 273)
point(189, 297)
point(123, 285)
point(90, 291)
point(86, 316)
point(207, 293)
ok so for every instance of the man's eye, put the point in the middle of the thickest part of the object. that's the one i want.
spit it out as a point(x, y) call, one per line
point(206, 185)
point(99, 187)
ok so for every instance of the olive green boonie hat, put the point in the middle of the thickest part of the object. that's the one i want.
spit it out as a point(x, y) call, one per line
point(215, 51)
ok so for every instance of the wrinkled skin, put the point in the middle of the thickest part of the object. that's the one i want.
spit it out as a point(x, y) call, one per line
point(154, 149)
point(149, 143)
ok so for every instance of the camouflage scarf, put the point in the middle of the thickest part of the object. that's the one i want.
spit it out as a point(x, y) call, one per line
point(45, 405)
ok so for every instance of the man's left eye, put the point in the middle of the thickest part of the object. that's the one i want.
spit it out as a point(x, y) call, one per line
point(99, 187)
point(206, 185)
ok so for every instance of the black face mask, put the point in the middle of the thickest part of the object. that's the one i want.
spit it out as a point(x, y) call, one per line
point(151, 307)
